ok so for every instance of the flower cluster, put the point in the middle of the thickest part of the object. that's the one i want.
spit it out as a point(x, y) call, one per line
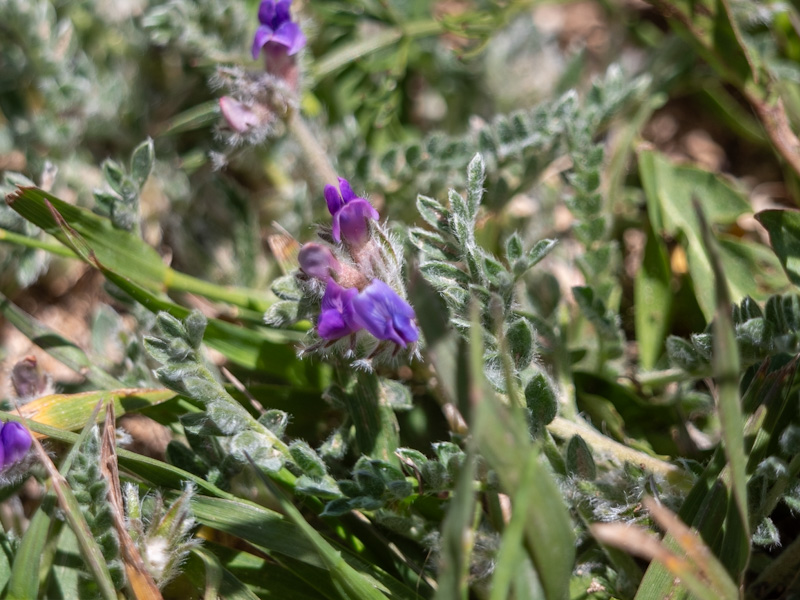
point(353, 270)
point(259, 97)
point(15, 441)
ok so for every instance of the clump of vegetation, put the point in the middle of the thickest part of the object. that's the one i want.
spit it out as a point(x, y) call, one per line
point(356, 299)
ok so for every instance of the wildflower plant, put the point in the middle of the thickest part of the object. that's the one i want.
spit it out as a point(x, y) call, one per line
point(361, 317)
point(399, 299)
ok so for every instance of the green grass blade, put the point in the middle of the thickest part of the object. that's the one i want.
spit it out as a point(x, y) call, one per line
point(122, 251)
point(458, 536)
point(726, 364)
point(94, 240)
point(351, 584)
point(262, 577)
point(25, 571)
point(511, 555)
point(29, 242)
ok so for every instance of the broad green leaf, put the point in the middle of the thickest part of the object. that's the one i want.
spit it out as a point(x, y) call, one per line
point(653, 301)
point(670, 189)
point(783, 227)
point(751, 269)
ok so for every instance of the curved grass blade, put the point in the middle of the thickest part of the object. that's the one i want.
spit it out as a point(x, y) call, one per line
point(726, 364)
point(122, 251)
point(255, 349)
point(71, 411)
point(221, 510)
point(351, 584)
point(261, 577)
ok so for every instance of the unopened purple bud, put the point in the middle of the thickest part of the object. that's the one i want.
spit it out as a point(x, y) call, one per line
point(336, 314)
point(351, 223)
point(318, 261)
point(16, 441)
point(277, 28)
point(239, 117)
point(383, 313)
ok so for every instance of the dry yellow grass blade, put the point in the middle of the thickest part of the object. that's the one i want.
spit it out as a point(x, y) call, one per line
point(139, 579)
point(71, 411)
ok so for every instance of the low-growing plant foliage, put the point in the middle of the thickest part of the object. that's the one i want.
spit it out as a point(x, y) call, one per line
point(420, 299)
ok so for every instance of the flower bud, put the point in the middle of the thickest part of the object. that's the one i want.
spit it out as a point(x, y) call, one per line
point(16, 441)
point(243, 118)
point(318, 261)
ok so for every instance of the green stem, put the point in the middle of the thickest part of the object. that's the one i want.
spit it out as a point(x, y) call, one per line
point(662, 378)
point(315, 156)
point(173, 280)
point(564, 429)
point(29, 242)
point(181, 282)
point(334, 61)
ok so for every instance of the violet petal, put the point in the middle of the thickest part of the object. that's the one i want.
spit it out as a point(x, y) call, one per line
point(336, 314)
point(282, 11)
point(16, 442)
point(347, 191)
point(383, 313)
point(263, 35)
point(333, 198)
point(351, 222)
point(266, 13)
point(290, 35)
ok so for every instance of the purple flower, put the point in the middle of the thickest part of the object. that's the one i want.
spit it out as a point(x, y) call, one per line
point(15, 441)
point(318, 261)
point(277, 28)
point(383, 313)
point(350, 214)
point(336, 314)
